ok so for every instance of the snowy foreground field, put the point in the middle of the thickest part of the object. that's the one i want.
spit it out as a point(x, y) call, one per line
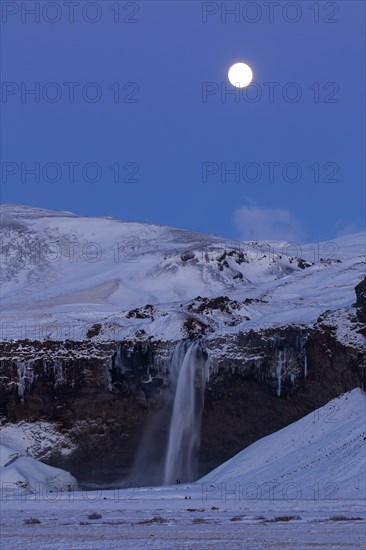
point(164, 518)
point(302, 487)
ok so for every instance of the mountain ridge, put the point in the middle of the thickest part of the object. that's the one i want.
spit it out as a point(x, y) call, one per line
point(60, 269)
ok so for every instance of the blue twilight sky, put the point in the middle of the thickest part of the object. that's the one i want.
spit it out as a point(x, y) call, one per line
point(295, 138)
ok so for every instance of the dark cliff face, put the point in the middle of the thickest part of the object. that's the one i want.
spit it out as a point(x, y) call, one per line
point(360, 304)
point(243, 407)
point(103, 395)
point(94, 393)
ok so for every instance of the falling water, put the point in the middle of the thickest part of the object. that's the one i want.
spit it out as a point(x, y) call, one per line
point(168, 449)
point(189, 369)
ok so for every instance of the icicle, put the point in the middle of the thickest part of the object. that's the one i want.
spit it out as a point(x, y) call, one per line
point(26, 378)
point(281, 362)
point(305, 365)
point(278, 372)
point(59, 374)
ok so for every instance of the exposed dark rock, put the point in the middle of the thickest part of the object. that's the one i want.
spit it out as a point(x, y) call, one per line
point(187, 256)
point(145, 312)
point(195, 327)
point(253, 300)
point(239, 256)
point(94, 330)
point(206, 305)
point(302, 263)
point(361, 301)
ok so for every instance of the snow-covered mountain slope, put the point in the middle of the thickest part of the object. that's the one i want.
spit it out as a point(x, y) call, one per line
point(62, 273)
point(320, 456)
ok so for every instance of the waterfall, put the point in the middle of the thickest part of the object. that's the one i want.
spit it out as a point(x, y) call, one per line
point(189, 369)
point(168, 449)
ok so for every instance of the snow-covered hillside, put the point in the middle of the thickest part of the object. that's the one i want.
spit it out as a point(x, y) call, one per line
point(61, 274)
point(320, 456)
point(20, 472)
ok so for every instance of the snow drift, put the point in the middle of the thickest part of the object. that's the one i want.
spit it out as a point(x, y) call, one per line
point(19, 472)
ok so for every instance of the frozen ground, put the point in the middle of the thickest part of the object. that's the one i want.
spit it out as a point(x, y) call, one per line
point(165, 518)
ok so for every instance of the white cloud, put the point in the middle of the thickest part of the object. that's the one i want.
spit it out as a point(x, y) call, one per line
point(275, 224)
point(349, 228)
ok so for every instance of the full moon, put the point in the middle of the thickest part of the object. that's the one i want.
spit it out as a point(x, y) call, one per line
point(240, 75)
